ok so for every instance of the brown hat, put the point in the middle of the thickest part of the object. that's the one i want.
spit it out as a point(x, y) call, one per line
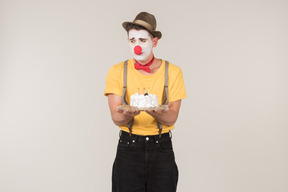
point(145, 20)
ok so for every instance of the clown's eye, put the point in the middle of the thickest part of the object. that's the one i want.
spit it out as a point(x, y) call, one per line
point(132, 40)
point(143, 40)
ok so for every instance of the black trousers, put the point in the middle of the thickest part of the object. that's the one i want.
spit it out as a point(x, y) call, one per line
point(144, 164)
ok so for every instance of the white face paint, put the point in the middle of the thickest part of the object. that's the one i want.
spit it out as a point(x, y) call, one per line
point(142, 39)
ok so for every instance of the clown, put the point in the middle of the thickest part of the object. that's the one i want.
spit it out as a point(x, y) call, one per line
point(145, 157)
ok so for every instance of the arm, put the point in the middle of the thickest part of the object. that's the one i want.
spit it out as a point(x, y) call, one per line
point(119, 117)
point(168, 116)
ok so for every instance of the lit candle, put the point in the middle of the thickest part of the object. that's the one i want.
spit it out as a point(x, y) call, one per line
point(148, 91)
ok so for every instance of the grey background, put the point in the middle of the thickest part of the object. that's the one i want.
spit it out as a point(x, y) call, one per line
point(56, 133)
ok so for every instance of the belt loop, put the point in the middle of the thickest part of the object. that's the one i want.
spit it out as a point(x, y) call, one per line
point(156, 139)
point(170, 134)
point(134, 138)
point(120, 134)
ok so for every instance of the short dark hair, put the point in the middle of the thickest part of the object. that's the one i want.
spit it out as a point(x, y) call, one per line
point(137, 27)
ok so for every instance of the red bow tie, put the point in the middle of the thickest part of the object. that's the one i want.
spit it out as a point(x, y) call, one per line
point(143, 67)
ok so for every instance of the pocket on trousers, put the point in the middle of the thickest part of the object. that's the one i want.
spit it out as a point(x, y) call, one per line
point(123, 145)
point(166, 145)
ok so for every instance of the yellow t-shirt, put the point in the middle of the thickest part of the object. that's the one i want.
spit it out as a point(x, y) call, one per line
point(145, 124)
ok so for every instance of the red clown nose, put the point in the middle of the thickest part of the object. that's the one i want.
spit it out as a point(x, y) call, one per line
point(137, 50)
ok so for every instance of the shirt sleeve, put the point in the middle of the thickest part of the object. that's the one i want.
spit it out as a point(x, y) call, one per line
point(176, 88)
point(113, 82)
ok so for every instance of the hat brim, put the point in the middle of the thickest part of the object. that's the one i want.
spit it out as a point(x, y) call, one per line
point(155, 33)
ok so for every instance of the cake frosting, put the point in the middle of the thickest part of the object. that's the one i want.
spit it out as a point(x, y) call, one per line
point(144, 101)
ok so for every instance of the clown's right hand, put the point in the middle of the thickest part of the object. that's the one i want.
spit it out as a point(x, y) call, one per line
point(128, 113)
point(120, 117)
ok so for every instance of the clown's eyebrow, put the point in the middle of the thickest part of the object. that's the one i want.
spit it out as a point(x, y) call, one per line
point(132, 38)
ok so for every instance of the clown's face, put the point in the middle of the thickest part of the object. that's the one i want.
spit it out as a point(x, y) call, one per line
point(140, 43)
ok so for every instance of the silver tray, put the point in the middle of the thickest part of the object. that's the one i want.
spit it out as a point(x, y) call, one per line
point(130, 108)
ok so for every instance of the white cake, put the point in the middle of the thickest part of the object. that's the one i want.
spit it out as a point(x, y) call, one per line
point(144, 101)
